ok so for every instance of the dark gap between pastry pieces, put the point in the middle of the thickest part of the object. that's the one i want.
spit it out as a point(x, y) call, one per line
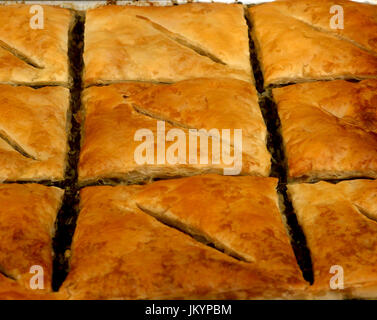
point(112, 182)
point(39, 86)
point(279, 169)
point(278, 161)
point(109, 181)
point(48, 183)
point(298, 242)
point(106, 83)
point(352, 80)
point(256, 68)
point(274, 138)
point(281, 85)
point(66, 219)
point(305, 179)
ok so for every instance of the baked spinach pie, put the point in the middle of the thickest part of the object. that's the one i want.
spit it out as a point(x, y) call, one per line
point(188, 151)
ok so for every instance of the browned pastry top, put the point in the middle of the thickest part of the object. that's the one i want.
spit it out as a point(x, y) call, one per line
point(166, 44)
point(27, 226)
point(114, 113)
point(295, 41)
point(135, 256)
point(339, 221)
point(329, 129)
point(34, 56)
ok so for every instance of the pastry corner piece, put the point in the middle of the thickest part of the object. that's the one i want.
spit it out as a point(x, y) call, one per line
point(301, 40)
point(33, 133)
point(136, 131)
point(339, 222)
point(27, 224)
point(329, 129)
point(137, 256)
point(182, 42)
point(34, 44)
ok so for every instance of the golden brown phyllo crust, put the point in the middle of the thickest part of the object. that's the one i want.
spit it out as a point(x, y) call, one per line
point(297, 42)
point(166, 44)
point(75, 202)
point(34, 52)
point(339, 221)
point(135, 256)
point(114, 113)
point(329, 129)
